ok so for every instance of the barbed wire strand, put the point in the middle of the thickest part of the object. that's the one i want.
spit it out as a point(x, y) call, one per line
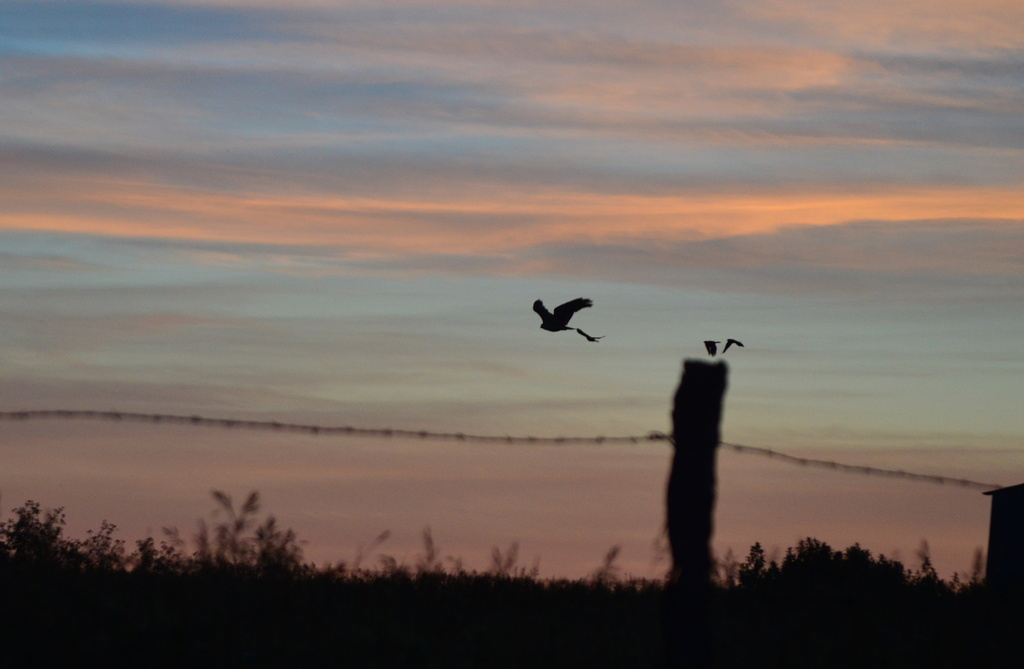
point(322, 430)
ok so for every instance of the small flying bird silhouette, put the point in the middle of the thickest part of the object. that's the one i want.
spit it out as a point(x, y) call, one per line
point(559, 320)
point(730, 342)
point(712, 348)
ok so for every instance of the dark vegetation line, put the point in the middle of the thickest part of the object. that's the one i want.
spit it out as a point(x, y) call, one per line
point(321, 430)
point(237, 594)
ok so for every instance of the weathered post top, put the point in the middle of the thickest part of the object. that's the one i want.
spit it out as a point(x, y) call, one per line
point(698, 402)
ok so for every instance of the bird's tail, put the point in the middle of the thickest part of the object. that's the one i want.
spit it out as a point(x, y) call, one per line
point(589, 338)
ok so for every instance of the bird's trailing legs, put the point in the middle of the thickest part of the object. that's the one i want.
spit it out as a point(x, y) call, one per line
point(589, 338)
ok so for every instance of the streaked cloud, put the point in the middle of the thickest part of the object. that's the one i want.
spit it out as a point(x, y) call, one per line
point(482, 128)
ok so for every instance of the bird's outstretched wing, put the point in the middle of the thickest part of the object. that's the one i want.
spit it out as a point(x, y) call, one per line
point(541, 310)
point(589, 338)
point(710, 346)
point(564, 312)
point(730, 342)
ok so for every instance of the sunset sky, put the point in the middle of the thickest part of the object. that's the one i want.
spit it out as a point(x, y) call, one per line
point(339, 213)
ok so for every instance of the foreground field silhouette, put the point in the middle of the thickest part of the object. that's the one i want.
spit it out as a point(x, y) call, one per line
point(239, 595)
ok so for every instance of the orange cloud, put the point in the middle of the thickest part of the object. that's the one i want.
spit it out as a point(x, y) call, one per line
point(478, 222)
point(953, 23)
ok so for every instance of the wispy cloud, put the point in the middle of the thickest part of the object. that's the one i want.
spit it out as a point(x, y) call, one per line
point(204, 119)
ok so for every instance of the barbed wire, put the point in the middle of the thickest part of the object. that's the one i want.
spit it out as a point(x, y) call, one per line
point(322, 430)
point(862, 469)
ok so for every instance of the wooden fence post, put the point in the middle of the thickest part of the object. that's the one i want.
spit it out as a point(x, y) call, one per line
point(696, 416)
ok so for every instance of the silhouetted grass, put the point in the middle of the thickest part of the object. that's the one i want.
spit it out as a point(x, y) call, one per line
point(237, 594)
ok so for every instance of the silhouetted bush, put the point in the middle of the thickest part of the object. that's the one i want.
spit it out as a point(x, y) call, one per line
point(813, 567)
point(821, 607)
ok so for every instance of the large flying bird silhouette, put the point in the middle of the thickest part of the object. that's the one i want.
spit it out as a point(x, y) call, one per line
point(559, 320)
